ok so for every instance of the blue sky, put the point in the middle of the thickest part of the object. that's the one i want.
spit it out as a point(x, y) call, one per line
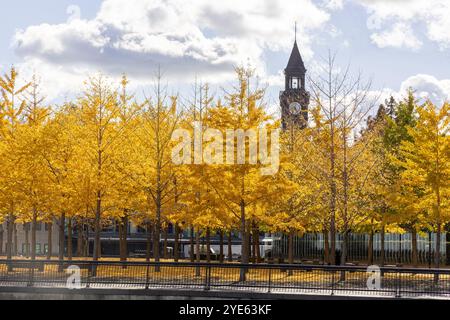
point(24, 13)
point(396, 43)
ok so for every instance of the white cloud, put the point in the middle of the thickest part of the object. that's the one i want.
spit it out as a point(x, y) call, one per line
point(334, 4)
point(401, 35)
point(276, 80)
point(425, 87)
point(56, 81)
point(187, 38)
point(428, 87)
point(431, 16)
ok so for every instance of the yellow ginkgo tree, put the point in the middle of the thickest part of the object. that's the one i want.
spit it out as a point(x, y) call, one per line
point(425, 181)
point(12, 107)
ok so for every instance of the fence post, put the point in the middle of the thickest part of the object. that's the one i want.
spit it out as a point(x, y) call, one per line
point(399, 285)
point(270, 280)
point(208, 278)
point(89, 274)
point(31, 275)
point(332, 282)
point(147, 277)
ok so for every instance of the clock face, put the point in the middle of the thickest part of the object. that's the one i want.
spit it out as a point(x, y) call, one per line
point(295, 108)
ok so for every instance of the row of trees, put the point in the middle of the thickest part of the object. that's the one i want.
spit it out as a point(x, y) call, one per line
point(108, 157)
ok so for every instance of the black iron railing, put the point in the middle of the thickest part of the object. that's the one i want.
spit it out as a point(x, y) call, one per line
point(269, 278)
point(397, 247)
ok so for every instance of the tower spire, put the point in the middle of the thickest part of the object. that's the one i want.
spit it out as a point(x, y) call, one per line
point(295, 31)
point(295, 99)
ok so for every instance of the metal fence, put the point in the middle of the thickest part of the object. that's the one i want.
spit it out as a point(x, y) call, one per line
point(266, 278)
point(398, 247)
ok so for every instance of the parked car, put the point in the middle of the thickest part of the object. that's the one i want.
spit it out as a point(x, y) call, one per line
point(214, 256)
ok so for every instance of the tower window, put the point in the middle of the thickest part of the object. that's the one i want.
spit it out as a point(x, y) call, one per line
point(294, 83)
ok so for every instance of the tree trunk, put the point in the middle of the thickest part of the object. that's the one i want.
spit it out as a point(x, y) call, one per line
point(49, 240)
point(258, 249)
point(16, 242)
point(437, 257)
point(149, 241)
point(344, 252)
point(1, 239)
point(86, 240)
point(415, 260)
point(345, 182)
point(221, 256)
point(290, 250)
point(9, 243)
point(80, 238)
point(97, 228)
point(26, 227)
point(245, 244)
point(156, 239)
point(69, 246)
point(176, 249)
point(197, 246)
point(123, 236)
point(197, 252)
point(157, 229)
point(9, 236)
point(291, 247)
point(33, 234)
point(326, 245)
point(332, 253)
point(437, 252)
point(249, 241)
point(382, 250)
point(208, 245)
point(230, 246)
point(166, 235)
point(62, 225)
point(192, 251)
point(120, 225)
point(69, 240)
point(370, 249)
point(254, 245)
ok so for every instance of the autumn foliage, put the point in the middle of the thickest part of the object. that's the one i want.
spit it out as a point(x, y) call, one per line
point(106, 158)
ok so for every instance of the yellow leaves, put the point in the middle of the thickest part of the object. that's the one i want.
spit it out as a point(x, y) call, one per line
point(4, 85)
point(23, 89)
point(425, 163)
point(107, 147)
point(394, 228)
point(13, 103)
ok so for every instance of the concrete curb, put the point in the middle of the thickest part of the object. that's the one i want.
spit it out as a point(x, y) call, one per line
point(159, 294)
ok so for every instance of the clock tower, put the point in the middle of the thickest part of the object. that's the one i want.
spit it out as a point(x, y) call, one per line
point(294, 99)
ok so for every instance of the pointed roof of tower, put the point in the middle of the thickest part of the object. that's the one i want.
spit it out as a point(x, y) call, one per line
point(295, 63)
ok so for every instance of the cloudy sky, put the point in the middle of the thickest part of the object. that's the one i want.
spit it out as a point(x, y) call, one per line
point(397, 43)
